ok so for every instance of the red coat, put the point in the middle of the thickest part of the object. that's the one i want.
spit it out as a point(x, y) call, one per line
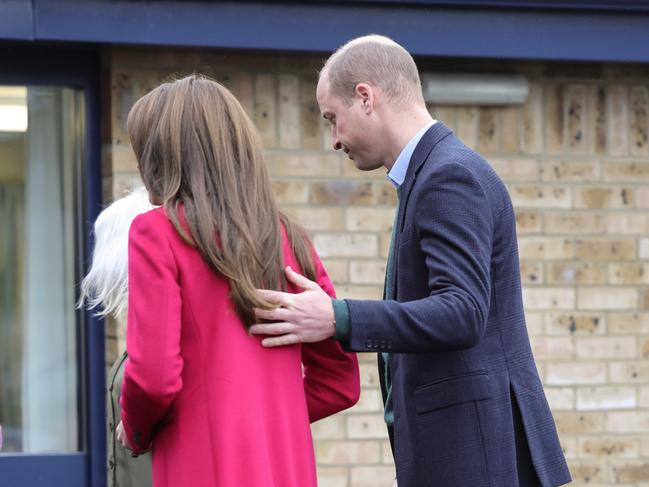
point(219, 409)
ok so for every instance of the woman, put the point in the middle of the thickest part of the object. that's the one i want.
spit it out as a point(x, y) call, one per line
point(215, 407)
point(105, 286)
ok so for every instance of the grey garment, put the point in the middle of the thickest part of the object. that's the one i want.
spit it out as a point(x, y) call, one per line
point(123, 469)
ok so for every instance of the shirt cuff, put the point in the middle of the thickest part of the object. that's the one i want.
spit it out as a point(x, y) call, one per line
point(341, 315)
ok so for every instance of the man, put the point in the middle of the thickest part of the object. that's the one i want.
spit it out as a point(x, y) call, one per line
point(464, 403)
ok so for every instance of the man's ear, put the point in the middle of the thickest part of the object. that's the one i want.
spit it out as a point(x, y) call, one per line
point(365, 93)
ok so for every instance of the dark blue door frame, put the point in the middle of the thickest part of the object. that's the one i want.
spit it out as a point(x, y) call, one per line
point(75, 67)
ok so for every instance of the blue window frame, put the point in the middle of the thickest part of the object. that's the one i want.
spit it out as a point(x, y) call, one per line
point(76, 67)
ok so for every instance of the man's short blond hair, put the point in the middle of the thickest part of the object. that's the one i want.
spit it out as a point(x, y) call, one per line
point(378, 61)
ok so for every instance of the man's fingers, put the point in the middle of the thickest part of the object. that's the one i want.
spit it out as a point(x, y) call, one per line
point(280, 341)
point(272, 328)
point(299, 280)
point(274, 297)
point(277, 314)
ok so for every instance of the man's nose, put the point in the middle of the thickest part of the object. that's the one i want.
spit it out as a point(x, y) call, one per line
point(336, 143)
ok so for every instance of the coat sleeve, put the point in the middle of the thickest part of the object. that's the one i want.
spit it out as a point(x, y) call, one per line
point(454, 229)
point(331, 376)
point(152, 374)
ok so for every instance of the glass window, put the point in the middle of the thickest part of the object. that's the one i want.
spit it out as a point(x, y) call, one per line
point(41, 142)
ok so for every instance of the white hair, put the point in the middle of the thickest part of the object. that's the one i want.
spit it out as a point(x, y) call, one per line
point(106, 284)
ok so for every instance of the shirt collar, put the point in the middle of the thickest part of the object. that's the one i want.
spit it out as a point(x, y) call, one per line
point(397, 174)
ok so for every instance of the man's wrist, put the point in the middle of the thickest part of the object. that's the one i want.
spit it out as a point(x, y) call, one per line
point(341, 320)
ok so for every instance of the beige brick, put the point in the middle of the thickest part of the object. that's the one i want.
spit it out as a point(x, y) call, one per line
point(627, 422)
point(574, 222)
point(643, 398)
point(332, 476)
point(360, 292)
point(630, 223)
point(639, 126)
point(304, 164)
point(387, 456)
point(123, 159)
point(534, 322)
point(372, 476)
point(446, 114)
point(318, 219)
point(605, 249)
point(369, 374)
point(597, 119)
point(288, 110)
point(554, 118)
point(567, 373)
point(642, 197)
point(384, 244)
point(560, 398)
point(643, 351)
point(626, 171)
point(643, 251)
point(524, 196)
point(617, 118)
point(605, 397)
point(531, 272)
point(629, 372)
point(346, 245)
point(310, 118)
point(569, 446)
point(575, 323)
point(545, 248)
point(629, 323)
point(122, 99)
point(370, 401)
point(532, 129)
point(488, 134)
point(509, 123)
point(629, 273)
point(631, 471)
point(608, 447)
point(332, 427)
point(369, 219)
point(337, 270)
point(548, 298)
point(529, 221)
point(569, 422)
point(552, 347)
point(606, 347)
point(338, 192)
point(516, 169)
point(367, 272)
point(467, 125)
point(587, 473)
point(266, 108)
point(291, 192)
point(347, 452)
point(576, 122)
point(614, 197)
point(570, 170)
point(607, 298)
point(242, 86)
point(362, 426)
point(575, 273)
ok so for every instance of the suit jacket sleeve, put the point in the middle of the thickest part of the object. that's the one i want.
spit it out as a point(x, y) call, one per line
point(331, 376)
point(152, 374)
point(453, 227)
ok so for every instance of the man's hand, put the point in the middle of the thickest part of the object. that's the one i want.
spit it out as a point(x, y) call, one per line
point(305, 317)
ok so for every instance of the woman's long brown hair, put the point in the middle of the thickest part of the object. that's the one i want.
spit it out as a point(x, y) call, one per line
point(197, 149)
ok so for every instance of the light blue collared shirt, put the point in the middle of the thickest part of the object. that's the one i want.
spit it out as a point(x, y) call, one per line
point(397, 174)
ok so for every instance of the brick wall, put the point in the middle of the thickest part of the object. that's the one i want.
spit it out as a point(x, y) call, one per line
point(575, 157)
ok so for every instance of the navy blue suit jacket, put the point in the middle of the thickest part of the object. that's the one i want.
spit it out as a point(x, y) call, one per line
point(459, 349)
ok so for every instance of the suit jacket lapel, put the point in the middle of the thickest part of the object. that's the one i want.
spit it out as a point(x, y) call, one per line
point(425, 146)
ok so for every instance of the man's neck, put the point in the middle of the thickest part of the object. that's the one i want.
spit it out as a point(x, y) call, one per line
point(402, 128)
